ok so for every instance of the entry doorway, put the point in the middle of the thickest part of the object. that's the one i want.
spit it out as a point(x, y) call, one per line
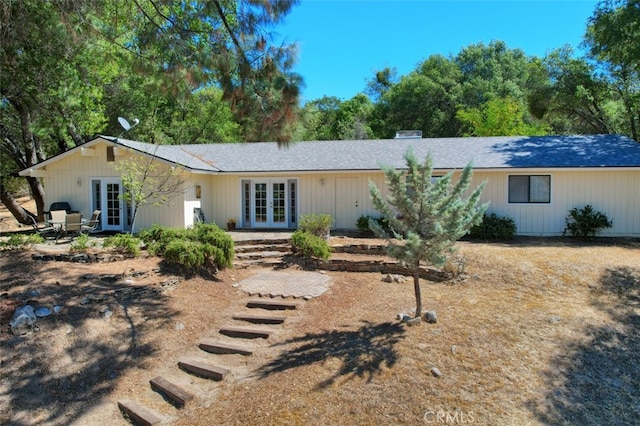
point(106, 195)
point(348, 208)
point(269, 203)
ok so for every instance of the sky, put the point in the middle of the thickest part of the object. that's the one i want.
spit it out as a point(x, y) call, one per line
point(341, 43)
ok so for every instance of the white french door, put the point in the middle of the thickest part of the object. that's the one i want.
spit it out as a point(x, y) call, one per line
point(269, 204)
point(107, 197)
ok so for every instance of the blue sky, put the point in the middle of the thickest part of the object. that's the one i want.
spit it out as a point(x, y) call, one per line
point(342, 43)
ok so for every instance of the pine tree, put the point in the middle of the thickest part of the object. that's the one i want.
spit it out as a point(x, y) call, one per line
point(426, 215)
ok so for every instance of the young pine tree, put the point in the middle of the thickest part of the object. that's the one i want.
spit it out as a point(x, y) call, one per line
point(426, 216)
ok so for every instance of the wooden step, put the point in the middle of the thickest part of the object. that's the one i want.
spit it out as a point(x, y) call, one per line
point(203, 369)
point(245, 333)
point(259, 319)
point(138, 414)
point(215, 347)
point(274, 305)
point(173, 392)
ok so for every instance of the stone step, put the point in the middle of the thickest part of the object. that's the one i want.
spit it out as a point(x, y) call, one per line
point(261, 248)
point(266, 262)
point(259, 319)
point(203, 369)
point(261, 242)
point(138, 414)
point(216, 347)
point(245, 333)
point(259, 255)
point(178, 396)
point(274, 305)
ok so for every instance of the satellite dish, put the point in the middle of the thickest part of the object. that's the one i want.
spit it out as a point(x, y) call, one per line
point(124, 123)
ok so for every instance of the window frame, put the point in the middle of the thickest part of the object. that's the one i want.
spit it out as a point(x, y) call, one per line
point(529, 187)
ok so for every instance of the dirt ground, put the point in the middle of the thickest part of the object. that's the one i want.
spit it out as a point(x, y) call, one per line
point(533, 332)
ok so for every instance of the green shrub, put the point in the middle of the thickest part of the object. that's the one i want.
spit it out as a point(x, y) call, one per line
point(80, 244)
point(494, 227)
point(21, 241)
point(310, 245)
point(586, 222)
point(212, 246)
point(362, 224)
point(157, 237)
point(316, 224)
point(124, 244)
point(192, 255)
point(209, 233)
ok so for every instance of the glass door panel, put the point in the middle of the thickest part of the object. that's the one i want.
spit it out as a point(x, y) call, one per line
point(260, 204)
point(279, 203)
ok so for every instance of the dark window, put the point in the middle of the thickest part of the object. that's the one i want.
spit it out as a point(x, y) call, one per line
point(530, 189)
point(111, 155)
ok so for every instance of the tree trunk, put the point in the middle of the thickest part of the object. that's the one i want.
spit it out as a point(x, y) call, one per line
point(416, 289)
point(21, 215)
point(37, 192)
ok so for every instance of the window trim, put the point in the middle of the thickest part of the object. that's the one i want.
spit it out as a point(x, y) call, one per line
point(529, 176)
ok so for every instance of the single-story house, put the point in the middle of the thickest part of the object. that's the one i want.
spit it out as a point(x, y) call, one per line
point(534, 180)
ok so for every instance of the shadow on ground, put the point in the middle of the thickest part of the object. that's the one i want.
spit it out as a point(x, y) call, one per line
point(600, 379)
point(363, 352)
point(60, 370)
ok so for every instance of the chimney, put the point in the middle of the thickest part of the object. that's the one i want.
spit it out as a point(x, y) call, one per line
point(408, 134)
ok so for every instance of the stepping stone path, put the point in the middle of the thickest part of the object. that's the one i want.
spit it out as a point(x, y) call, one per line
point(271, 284)
point(139, 414)
point(179, 397)
point(173, 392)
point(246, 333)
point(259, 319)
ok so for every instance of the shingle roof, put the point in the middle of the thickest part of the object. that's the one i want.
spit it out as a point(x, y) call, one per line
point(448, 153)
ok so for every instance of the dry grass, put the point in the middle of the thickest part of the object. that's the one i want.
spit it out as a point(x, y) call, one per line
point(531, 326)
point(536, 332)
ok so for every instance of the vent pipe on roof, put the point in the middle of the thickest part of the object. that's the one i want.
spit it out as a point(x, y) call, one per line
point(408, 134)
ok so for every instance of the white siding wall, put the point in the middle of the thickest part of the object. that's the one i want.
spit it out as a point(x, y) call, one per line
point(70, 178)
point(615, 193)
point(223, 200)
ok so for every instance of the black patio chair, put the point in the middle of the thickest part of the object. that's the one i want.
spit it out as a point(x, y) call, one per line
point(43, 229)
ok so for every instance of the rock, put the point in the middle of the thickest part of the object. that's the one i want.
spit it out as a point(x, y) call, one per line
point(179, 326)
point(454, 349)
point(42, 312)
point(403, 317)
point(436, 372)
point(23, 320)
point(554, 319)
point(430, 317)
point(414, 321)
point(80, 258)
point(392, 278)
point(108, 313)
